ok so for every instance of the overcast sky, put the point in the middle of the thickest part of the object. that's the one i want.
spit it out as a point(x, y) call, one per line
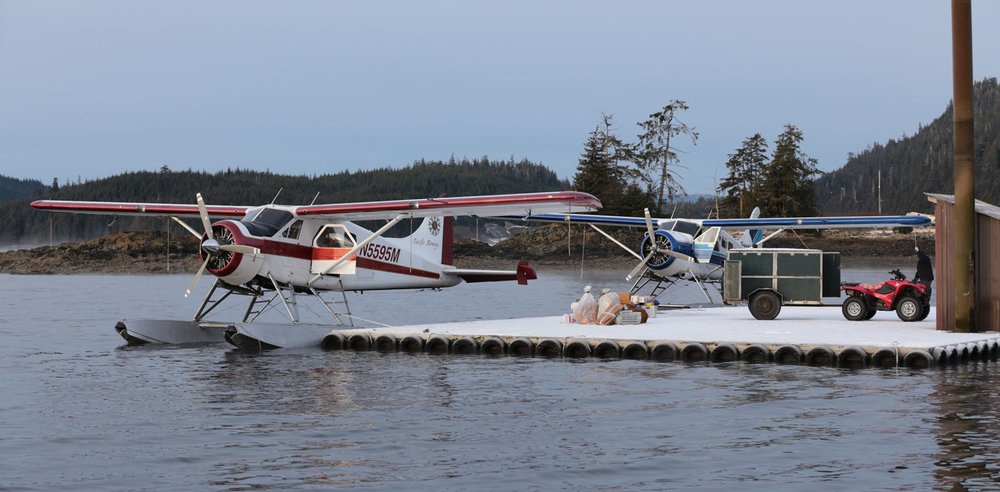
point(95, 88)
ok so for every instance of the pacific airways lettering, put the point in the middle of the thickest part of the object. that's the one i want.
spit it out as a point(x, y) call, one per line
point(380, 252)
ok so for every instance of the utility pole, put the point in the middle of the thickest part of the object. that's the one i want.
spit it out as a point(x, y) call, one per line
point(965, 212)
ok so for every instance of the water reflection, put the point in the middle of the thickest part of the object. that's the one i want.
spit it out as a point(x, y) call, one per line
point(214, 418)
point(965, 399)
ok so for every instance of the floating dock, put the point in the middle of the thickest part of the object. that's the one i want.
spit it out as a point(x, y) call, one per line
point(814, 335)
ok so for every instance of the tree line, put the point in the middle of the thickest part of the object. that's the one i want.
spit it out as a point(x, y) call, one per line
point(21, 224)
point(901, 171)
point(11, 188)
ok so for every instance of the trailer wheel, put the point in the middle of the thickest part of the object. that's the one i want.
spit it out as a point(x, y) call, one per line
point(855, 308)
point(765, 305)
point(909, 309)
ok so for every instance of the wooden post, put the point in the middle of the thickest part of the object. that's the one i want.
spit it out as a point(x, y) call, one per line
point(965, 220)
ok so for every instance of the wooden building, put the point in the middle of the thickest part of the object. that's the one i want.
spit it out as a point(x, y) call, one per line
point(987, 263)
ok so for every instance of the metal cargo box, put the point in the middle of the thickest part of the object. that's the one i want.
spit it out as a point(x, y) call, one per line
point(797, 276)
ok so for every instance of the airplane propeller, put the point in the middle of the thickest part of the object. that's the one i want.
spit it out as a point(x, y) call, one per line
point(213, 248)
point(658, 245)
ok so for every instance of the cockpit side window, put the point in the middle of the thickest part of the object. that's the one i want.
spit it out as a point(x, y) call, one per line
point(293, 230)
point(334, 236)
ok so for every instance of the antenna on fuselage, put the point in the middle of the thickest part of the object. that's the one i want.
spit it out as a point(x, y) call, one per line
point(276, 195)
point(314, 199)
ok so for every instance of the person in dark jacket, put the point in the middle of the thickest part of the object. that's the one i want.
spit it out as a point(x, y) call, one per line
point(925, 273)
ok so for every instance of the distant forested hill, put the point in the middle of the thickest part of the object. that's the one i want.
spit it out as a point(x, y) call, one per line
point(21, 224)
point(11, 188)
point(917, 164)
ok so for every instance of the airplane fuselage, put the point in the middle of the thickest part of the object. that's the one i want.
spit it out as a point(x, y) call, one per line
point(294, 250)
point(705, 258)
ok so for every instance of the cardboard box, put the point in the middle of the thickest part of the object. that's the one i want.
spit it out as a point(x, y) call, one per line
point(628, 318)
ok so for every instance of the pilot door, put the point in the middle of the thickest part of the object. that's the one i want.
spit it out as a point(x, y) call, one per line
point(329, 246)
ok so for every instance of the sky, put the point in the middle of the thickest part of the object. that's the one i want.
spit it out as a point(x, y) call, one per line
point(93, 89)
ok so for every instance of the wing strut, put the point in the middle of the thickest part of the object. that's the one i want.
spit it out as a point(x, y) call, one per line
point(189, 228)
point(355, 249)
point(775, 233)
point(626, 248)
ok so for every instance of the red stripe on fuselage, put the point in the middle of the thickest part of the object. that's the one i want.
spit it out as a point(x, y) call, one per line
point(380, 266)
point(327, 254)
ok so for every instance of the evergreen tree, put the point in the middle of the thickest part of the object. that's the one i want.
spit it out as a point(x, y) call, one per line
point(657, 155)
point(604, 170)
point(747, 167)
point(788, 185)
point(592, 171)
point(635, 200)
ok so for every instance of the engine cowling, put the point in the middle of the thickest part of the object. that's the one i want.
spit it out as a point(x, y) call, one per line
point(664, 241)
point(231, 267)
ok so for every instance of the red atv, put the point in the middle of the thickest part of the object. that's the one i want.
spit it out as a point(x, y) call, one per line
point(910, 300)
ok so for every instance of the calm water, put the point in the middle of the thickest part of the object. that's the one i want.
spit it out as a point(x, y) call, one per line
point(80, 411)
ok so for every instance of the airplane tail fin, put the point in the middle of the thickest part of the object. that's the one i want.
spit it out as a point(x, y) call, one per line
point(435, 235)
point(433, 239)
point(447, 239)
point(752, 236)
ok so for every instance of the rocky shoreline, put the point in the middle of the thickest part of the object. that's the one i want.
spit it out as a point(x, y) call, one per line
point(547, 247)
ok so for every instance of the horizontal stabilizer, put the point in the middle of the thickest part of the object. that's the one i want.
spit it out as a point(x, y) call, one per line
point(522, 274)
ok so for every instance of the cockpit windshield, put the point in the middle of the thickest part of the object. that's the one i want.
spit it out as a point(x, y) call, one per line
point(268, 221)
point(686, 227)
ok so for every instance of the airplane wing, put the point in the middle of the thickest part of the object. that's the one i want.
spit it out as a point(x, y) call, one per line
point(843, 222)
point(610, 220)
point(485, 206)
point(134, 208)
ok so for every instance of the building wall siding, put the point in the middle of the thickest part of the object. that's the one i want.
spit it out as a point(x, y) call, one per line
point(944, 264)
point(987, 269)
point(988, 273)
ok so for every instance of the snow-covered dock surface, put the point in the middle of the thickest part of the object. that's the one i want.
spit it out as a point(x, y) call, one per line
point(796, 325)
point(817, 335)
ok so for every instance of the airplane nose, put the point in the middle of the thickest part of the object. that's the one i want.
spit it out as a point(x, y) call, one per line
point(211, 246)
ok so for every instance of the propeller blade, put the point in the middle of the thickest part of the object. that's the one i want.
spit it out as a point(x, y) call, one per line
point(642, 264)
point(203, 211)
point(197, 276)
point(240, 248)
point(189, 228)
point(649, 229)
